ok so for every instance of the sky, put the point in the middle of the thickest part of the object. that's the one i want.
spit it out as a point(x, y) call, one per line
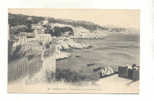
point(118, 18)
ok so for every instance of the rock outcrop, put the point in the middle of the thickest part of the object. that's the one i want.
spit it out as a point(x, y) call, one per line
point(68, 43)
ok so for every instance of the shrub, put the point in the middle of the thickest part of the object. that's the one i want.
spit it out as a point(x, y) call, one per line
point(69, 76)
point(18, 29)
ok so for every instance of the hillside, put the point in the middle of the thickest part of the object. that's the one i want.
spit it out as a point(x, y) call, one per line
point(80, 28)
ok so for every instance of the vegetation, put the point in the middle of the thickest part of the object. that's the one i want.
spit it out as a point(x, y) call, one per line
point(19, 19)
point(69, 76)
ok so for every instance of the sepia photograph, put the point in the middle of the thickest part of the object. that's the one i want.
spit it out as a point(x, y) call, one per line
point(73, 50)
